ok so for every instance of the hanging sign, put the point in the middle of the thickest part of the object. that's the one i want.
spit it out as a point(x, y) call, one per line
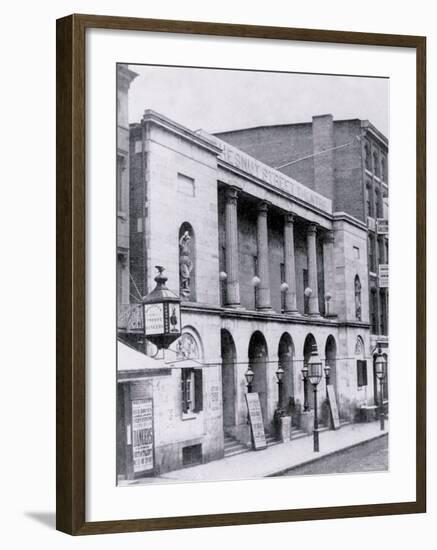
point(333, 407)
point(382, 226)
point(383, 276)
point(256, 421)
point(142, 435)
point(154, 318)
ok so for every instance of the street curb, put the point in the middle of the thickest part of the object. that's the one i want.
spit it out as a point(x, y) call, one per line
point(332, 453)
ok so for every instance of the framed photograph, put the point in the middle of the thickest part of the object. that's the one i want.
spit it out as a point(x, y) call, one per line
point(240, 274)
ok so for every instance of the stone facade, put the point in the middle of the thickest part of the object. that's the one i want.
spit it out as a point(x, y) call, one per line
point(258, 241)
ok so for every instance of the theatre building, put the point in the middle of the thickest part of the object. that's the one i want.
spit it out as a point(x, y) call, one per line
point(266, 269)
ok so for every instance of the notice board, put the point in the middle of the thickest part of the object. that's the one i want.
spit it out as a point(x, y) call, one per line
point(142, 435)
point(256, 421)
point(333, 407)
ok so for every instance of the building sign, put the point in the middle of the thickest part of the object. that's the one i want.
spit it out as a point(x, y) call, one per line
point(154, 318)
point(142, 435)
point(233, 156)
point(333, 407)
point(256, 421)
point(383, 276)
point(382, 226)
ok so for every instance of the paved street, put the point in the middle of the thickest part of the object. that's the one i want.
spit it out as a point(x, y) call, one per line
point(293, 455)
point(367, 457)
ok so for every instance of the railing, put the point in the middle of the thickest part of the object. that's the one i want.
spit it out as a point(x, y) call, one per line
point(130, 318)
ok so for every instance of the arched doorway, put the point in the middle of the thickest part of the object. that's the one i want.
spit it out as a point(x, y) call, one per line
point(258, 357)
point(229, 357)
point(310, 341)
point(330, 359)
point(285, 356)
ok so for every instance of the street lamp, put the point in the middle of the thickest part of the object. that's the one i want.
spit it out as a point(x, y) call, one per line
point(249, 375)
point(381, 372)
point(306, 406)
point(162, 313)
point(314, 376)
point(327, 370)
point(279, 375)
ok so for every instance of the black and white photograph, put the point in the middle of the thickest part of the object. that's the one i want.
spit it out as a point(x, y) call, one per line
point(252, 254)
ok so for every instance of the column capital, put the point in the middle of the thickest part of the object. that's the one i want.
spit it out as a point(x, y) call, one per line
point(231, 194)
point(262, 208)
point(328, 237)
point(312, 229)
point(289, 218)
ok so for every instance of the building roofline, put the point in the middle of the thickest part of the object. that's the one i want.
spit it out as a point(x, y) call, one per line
point(152, 117)
point(364, 124)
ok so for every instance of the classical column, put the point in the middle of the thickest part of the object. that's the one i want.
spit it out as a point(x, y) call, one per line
point(263, 258)
point(231, 238)
point(329, 272)
point(312, 270)
point(289, 265)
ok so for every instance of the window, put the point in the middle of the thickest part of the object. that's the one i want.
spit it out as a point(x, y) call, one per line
point(121, 166)
point(373, 311)
point(369, 212)
point(383, 169)
point(361, 373)
point(192, 390)
point(371, 253)
point(356, 252)
point(367, 157)
point(381, 253)
point(186, 185)
point(378, 204)
point(357, 298)
point(376, 164)
point(192, 455)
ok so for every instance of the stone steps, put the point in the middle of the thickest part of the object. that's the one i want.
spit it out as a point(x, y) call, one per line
point(233, 447)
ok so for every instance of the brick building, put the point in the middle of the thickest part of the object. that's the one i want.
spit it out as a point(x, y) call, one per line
point(267, 267)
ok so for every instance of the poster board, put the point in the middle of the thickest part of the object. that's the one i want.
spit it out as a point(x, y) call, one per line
point(256, 421)
point(333, 407)
point(142, 435)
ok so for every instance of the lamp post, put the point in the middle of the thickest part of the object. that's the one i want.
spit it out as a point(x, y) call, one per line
point(381, 371)
point(306, 406)
point(249, 375)
point(314, 376)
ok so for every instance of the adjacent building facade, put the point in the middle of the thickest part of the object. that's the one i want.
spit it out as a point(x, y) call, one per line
point(267, 264)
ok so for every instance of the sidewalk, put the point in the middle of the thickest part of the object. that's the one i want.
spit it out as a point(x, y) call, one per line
point(276, 458)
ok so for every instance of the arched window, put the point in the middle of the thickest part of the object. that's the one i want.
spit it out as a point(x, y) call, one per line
point(357, 298)
point(187, 263)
